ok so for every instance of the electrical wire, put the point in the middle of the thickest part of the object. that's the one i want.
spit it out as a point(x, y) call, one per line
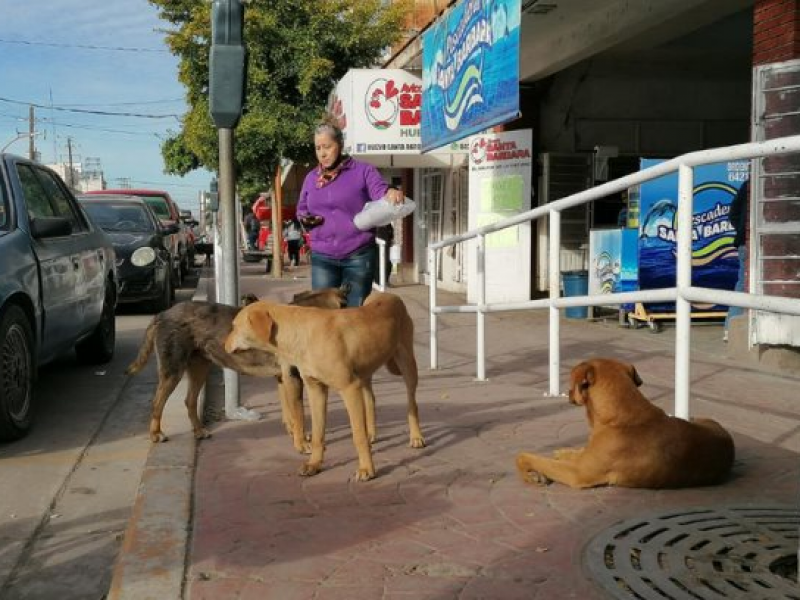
point(93, 112)
point(83, 46)
point(141, 102)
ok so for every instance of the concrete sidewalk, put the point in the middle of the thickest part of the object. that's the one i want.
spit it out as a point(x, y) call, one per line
point(453, 520)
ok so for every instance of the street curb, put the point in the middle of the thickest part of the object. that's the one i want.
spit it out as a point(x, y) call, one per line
point(152, 560)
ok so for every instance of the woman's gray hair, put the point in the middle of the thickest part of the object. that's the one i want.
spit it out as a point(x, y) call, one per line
point(332, 130)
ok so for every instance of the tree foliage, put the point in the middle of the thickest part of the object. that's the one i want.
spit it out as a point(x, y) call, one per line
point(297, 50)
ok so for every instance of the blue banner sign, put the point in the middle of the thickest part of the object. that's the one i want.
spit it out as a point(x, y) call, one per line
point(715, 262)
point(470, 71)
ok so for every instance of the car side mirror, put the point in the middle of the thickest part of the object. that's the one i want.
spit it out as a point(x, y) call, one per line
point(50, 227)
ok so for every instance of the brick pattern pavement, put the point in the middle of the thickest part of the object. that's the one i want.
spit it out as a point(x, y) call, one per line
point(453, 520)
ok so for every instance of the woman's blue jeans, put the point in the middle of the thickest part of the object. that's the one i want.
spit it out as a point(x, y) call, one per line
point(356, 270)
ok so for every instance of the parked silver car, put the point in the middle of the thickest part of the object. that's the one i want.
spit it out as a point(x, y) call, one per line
point(58, 285)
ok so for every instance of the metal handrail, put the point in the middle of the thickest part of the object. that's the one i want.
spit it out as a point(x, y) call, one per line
point(683, 294)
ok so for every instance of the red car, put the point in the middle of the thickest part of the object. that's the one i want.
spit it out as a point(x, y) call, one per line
point(169, 214)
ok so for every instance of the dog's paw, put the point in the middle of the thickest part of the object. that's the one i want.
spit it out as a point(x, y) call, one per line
point(309, 469)
point(416, 442)
point(158, 437)
point(364, 475)
point(303, 447)
point(202, 434)
point(535, 478)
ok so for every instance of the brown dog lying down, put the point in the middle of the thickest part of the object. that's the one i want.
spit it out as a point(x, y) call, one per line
point(342, 350)
point(632, 442)
point(190, 336)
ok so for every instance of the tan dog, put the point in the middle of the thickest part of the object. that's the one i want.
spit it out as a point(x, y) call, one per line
point(632, 442)
point(342, 350)
point(190, 336)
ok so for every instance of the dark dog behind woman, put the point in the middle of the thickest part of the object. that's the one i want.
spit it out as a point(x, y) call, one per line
point(332, 194)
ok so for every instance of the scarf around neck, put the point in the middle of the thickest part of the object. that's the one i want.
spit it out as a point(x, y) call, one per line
point(325, 176)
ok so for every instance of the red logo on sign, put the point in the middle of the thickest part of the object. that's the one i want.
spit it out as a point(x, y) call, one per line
point(385, 102)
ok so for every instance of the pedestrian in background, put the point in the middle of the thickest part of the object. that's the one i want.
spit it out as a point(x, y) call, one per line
point(252, 226)
point(385, 233)
point(293, 234)
point(738, 216)
point(332, 195)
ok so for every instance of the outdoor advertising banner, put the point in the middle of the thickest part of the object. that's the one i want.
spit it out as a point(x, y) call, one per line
point(715, 261)
point(613, 261)
point(470, 71)
point(500, 187)
point(379, 111)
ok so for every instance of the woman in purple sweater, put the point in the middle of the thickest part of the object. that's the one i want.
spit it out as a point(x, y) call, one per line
point(332, 194)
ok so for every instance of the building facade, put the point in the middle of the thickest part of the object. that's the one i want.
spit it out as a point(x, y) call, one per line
point(604, 84)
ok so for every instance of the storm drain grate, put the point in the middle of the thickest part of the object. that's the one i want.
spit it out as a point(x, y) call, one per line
point(700, 553)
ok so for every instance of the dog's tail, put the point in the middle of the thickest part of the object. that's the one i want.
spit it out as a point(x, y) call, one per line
point(145, 350)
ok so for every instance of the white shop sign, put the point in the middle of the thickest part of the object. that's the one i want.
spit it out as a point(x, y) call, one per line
point(500, 187)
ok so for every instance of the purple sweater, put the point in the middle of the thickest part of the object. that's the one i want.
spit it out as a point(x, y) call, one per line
point(338, 202)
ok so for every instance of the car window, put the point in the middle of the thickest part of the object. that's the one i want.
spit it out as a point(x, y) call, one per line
point(4, 208)
point(36, 199)
point(59, 197)
point(159, 206)
point(114, 217)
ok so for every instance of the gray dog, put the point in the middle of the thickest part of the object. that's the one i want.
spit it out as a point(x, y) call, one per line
point(190, 336)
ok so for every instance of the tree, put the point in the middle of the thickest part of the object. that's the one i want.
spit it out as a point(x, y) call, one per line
point(297, 50)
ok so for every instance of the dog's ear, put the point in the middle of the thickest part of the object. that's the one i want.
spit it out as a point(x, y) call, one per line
point(583, 377)
point(590, 377)
point(344, 289)
point(635, 376)
point(261, 323)
point(248, 299)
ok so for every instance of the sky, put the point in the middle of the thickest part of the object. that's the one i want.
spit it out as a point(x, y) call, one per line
point(45, 60)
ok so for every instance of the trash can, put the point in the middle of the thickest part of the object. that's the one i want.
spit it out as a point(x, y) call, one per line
point(576, 283)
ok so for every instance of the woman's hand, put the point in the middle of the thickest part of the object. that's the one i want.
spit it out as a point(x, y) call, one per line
point(395, 196)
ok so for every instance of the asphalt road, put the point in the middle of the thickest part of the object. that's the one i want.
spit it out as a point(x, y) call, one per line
point(66, 490)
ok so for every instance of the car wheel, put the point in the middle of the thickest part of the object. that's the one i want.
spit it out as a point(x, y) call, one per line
point(98, 348)
point(16, 374)
point(167, 296)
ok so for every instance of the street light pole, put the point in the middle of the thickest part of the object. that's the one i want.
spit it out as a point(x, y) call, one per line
point(20, 136)
point(226, 98)
point(31, 133)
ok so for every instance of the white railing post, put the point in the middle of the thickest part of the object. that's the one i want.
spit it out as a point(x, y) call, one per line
point(381, 285)
point(683, 308)
point(481, 315)
point(432, 302)
point(554, 276)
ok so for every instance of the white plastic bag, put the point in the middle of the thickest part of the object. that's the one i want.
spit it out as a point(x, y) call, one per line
point(382, 212)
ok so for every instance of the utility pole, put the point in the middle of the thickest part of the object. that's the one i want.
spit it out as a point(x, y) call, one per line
point(226, 98)
point(277, 225)
point(31, 133)
point(70, 182)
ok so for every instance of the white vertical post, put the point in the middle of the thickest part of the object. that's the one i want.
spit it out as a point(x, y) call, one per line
point(683, 309)
point(381, 285)
point(554, 276)
point(480, 315)
point(432, 304)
